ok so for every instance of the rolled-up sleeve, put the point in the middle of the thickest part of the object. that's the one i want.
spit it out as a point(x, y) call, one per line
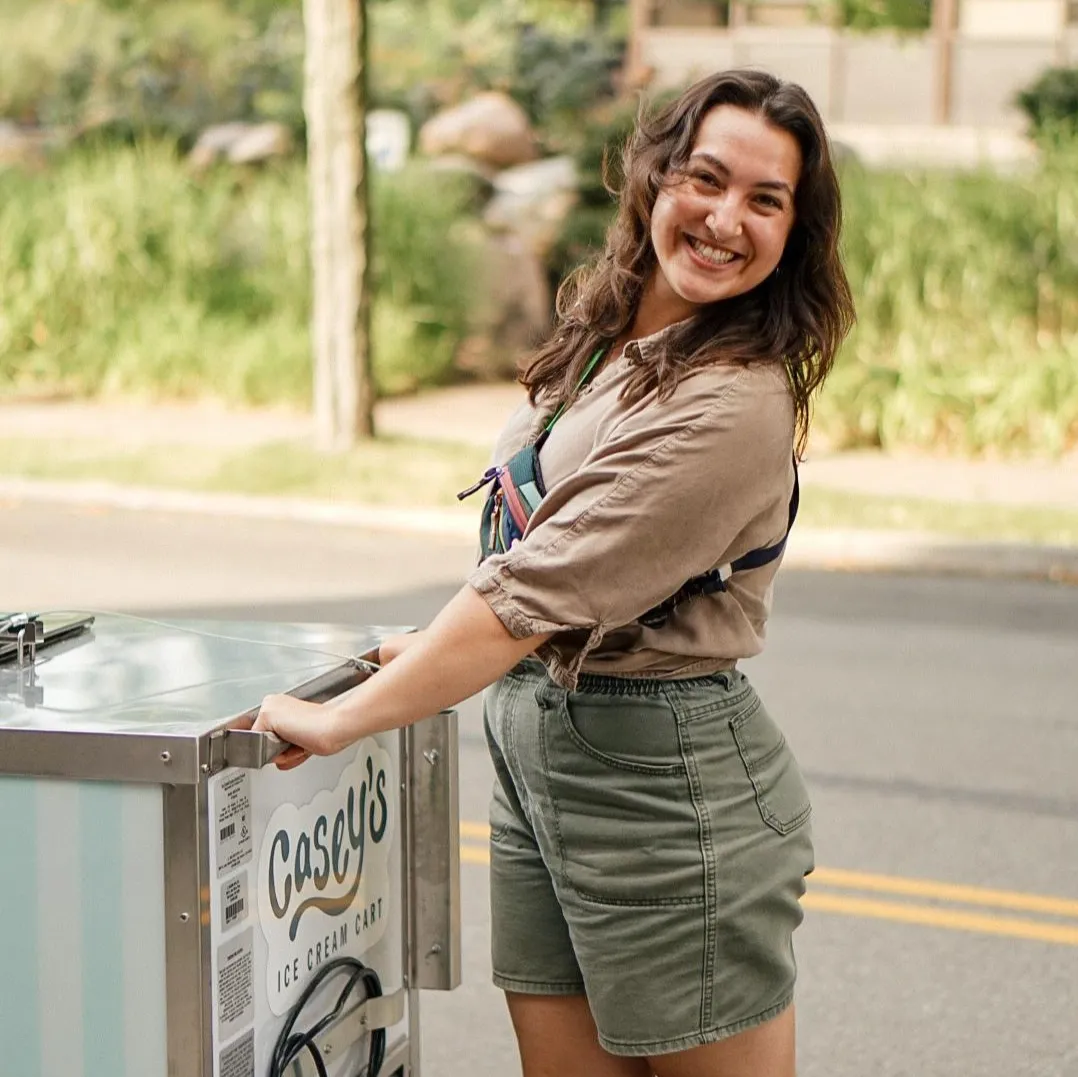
point(666, 496)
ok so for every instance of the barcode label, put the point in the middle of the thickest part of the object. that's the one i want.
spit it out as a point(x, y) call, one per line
point(234, 906)
point(228, 831)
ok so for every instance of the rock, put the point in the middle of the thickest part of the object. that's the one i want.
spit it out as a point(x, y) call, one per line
point(533, 200)
point(21, 145)
point(491, 127)
point(478, 175)
point(513, 310)
point(241, 143)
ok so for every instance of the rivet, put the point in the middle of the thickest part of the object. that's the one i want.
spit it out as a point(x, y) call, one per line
point(166, 757)
point(184, 917)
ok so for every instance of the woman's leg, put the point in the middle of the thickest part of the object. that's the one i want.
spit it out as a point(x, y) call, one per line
point(764, 1051)
point(557, 1038)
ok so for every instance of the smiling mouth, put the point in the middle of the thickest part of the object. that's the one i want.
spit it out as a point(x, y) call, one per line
point(716, 256)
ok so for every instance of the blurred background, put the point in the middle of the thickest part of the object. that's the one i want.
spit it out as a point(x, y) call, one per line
point(154, 225)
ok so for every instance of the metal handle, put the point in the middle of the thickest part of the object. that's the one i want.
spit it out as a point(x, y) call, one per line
point(247, 748)
point(236, 746)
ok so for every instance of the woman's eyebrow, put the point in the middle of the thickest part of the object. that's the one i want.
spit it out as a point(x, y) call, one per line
point(715, 163)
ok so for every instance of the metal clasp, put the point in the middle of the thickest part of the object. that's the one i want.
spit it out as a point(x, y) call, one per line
point(27, 631)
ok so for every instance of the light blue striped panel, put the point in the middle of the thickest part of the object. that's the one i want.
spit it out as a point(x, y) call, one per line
point(82, 990)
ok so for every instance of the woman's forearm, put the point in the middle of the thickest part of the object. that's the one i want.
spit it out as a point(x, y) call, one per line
point(464, 649)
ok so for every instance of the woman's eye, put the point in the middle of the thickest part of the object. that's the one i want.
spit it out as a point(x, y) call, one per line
point(770, 201)
point(706, 178)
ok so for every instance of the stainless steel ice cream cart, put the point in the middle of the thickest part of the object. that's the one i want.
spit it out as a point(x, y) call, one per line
point(171, 904)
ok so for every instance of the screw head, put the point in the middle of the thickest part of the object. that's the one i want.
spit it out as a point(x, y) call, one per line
point(166, 757)
point(184, 917)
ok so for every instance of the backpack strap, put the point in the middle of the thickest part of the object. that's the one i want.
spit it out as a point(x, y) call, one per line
point(711, 582)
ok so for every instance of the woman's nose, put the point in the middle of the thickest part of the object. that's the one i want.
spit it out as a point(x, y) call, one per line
point(724, 220)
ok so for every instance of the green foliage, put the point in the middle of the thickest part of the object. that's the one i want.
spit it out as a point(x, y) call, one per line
point(119, 272)
point(1051, 103)
point(556, 77)
point(883, 14)
point(967, 292)
point(603, 136)
point(138, 69)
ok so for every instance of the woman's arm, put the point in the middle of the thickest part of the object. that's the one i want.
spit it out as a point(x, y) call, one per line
point(465, 648)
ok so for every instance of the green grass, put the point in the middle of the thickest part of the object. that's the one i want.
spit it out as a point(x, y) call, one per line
point(388, 471)
point(407, 473)
point(828, 508)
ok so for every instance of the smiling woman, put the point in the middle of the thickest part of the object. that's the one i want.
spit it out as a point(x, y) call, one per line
point(649, 830)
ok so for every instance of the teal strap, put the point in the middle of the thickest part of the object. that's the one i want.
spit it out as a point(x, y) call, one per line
point(593, 362)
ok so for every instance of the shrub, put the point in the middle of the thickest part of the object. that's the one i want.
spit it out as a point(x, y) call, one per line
point(883, 14)
point(1051, 103)
point(119, 272)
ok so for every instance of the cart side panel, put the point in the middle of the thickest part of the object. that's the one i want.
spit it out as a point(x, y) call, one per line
point(82, 898)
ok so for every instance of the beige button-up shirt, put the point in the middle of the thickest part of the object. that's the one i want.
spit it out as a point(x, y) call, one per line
point(641, 497)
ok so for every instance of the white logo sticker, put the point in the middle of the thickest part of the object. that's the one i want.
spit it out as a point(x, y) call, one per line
point(323, 874)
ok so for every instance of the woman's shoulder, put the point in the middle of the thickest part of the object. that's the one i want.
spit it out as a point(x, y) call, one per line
point(718, 394)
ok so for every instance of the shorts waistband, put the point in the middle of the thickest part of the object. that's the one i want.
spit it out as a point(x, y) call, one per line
point(606, 684)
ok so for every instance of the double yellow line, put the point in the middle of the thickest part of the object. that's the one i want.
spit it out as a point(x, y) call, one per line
point(920, 901)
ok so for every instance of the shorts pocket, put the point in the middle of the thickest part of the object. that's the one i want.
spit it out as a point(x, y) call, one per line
point(781, 794)
point(622, 811)
point(640, 736)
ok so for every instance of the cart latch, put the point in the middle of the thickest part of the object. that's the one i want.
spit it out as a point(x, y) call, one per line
point(27, 631)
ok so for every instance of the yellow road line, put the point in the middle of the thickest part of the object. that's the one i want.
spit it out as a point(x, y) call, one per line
point(929, 888)
point(930, 916)
point(923, 915)
point(904, 887)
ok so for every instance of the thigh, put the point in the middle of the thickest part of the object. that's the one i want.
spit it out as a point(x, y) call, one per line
point(531, 951)
point(557, 1038)
point(766, 1050)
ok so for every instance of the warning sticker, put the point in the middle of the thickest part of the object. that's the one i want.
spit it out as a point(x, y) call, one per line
point(235, 984)
point(234, 901)
point(235, 844)
point(238, 1059)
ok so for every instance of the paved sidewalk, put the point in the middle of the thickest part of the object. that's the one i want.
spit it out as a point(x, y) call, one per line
point(474, 414)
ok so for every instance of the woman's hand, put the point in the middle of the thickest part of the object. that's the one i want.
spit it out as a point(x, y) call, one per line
point(308, 728)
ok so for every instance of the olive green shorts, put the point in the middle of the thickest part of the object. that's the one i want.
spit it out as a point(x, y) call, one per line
point(649, 843)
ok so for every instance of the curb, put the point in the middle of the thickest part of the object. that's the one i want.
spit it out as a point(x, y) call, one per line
point(808, 549)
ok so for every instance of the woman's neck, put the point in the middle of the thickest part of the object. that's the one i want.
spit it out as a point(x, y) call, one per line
point(660, 307)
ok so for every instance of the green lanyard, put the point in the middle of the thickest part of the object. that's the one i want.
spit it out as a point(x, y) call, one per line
point(593, 362)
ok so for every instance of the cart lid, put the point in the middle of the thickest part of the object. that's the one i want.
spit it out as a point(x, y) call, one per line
point(109, 675)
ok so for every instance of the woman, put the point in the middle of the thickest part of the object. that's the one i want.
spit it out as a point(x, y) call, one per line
point(649, 827)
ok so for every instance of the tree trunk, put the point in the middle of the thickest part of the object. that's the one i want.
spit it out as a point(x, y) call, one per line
point(335, 100)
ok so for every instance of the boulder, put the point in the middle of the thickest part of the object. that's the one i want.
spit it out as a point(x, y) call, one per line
point(533, 200)
point(513, 310)
point(241, 143)
point(491, 127)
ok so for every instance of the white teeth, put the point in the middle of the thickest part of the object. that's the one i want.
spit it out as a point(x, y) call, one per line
point(713, 254)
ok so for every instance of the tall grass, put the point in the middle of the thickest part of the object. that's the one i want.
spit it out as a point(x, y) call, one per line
point(967, 292)
point(121, 273)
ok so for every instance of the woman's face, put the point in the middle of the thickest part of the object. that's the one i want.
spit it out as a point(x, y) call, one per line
point(720, 224)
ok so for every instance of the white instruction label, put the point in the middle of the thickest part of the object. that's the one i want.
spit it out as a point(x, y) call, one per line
point(235, 901)
point(235, 842)
point(238, 1059)
point(235, 984)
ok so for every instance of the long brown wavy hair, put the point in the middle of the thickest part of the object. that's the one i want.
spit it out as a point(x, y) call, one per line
point(798, 317)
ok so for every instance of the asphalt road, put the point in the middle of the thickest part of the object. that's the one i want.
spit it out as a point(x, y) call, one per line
point(936, 721)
